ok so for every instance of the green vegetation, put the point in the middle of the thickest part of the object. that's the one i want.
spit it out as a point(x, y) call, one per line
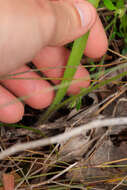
point(74, 60)
point(118, 28)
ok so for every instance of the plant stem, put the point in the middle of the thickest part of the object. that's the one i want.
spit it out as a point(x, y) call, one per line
point(73, 62)
point(91, 88)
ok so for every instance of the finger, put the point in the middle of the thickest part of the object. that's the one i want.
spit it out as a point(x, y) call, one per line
point(97, 43)
point(52, 62)
point(36, 92)
point(78, 19)
point(27, 26)
point(11, 110)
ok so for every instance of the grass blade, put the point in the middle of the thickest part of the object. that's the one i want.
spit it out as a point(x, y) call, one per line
point(74, 60)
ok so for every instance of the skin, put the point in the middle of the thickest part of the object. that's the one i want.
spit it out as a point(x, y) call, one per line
point(31, 30)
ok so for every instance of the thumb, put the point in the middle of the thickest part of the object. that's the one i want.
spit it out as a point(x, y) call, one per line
point(73, 18)
point(29, 25)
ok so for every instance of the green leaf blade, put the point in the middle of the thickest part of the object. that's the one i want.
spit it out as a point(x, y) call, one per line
point(74, 60)
point(109, 5)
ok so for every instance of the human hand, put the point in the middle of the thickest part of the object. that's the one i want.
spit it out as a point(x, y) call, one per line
point(36, 30)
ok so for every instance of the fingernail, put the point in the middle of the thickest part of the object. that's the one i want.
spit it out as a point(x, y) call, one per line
point(84, 12)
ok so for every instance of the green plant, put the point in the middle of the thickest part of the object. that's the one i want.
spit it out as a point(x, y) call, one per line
point(74, 60)
point(119, 14)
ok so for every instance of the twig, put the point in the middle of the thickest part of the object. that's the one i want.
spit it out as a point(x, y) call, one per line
point(25, 179)
point(69, 186)
point(120, 183)
point(63, 137)
point(42, 168)
point(55, 177)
